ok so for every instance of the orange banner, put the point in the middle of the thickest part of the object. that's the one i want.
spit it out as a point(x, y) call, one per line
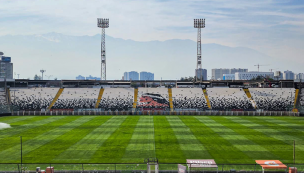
point(271, 164)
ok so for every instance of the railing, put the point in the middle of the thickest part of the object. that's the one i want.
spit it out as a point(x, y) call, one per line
point(215, 113)
point(137, 168)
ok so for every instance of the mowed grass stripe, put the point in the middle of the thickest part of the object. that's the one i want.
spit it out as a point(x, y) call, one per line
point(283, 126)
point(141, 144)
point(292, 120)
point(220, 145)
point(255, 144)
point(13, 154)
point(166, 144)
point(113, 149)
point(191, 146)
point(51, 150)
point(83, 150)
point(275, 134)
point(13, 119)
point(19, 126)
point(12, 138)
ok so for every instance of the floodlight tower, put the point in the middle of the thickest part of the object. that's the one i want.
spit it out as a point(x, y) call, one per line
point(42, 71)
point(199, 23)
point(103, 23)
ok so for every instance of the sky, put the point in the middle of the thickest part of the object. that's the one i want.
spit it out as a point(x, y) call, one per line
point(273, 27)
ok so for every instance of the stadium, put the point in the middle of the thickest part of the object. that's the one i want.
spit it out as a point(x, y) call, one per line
point(111, 126)
point(108, 126)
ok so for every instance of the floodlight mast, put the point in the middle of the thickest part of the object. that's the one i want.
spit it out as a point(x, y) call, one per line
point(103, 23)
point(199, 23)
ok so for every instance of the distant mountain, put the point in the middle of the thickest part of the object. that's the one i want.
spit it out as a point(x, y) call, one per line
point(65, 57)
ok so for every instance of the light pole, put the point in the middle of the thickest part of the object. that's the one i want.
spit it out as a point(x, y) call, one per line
point(103, 23)
point(42, 71)
point(199, 23)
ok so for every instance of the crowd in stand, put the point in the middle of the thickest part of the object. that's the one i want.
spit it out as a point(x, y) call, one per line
point(190, 103)
point(273, 99)
point(228, 99)
point(222, 103)
point(302, 97)
point(116, 104)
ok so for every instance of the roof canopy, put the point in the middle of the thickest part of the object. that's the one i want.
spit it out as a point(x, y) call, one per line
point(201, 163)
point(271, 164)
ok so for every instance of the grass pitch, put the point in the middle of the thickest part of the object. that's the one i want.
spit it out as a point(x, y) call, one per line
point(131, 139)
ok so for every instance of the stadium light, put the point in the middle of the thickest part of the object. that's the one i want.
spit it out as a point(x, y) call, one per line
point(42, 71)
point(199, 23)
point(103, 23)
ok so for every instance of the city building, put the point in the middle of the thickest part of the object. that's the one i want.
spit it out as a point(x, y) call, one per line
point(278, 75)
point(234, 70)
point(132, 75)
point(6, 67)
point(288, 75)
point(93, 78)
point(300, 76)
point(146, 76)
point(79, 77)
point(218, 73)
point(228, 76)
point(251, 75)
point(201, 74)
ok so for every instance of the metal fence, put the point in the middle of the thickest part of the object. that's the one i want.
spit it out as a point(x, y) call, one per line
point(137, 168)
point(226, 113)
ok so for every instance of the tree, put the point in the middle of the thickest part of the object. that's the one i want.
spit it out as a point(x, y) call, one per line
point(36, 77)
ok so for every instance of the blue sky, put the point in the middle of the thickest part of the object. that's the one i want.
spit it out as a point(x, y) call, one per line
point(273, 27)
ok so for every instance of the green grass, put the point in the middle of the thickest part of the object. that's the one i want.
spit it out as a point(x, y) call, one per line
point(131, 139)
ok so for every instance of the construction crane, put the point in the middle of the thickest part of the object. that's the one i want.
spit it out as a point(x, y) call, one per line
point(260, 65)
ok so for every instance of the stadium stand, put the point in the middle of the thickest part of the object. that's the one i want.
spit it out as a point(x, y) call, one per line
point(117, 99)
point(77, 98)
point(32, 98)
point(153, 98)
point(302, 97)
point(228, 98)
point(3, 103)
point(188, 98)
point(271, 99)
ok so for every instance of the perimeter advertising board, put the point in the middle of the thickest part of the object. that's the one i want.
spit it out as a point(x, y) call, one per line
point(271, 164)
point(201, 163)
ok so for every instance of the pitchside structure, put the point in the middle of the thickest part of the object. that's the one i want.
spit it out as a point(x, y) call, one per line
point(173, 99)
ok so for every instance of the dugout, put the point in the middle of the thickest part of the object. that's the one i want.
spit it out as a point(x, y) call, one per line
point(201, 165)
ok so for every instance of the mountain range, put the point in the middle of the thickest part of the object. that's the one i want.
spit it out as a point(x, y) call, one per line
point(65, 56)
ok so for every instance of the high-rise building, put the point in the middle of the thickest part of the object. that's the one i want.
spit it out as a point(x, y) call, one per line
point(288, 75)
point(218, 73)
point(251, 75)
point(132, 75)
point(79, 77)
point(6, 67)
point(201, 74)
point(300, 76)
point(146, 76)
point(234, 70)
